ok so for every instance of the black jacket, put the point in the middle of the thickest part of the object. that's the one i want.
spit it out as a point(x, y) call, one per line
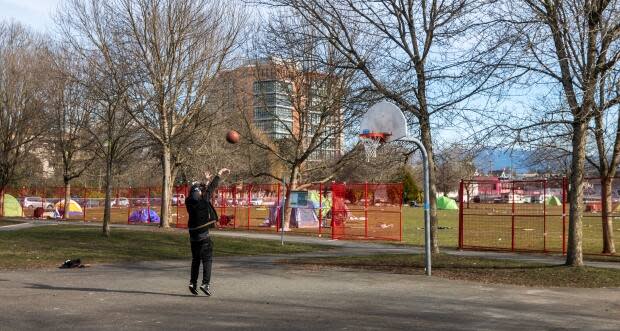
point(201, 211)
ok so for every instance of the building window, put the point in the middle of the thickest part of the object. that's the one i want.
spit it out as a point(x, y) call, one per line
point(272, 86)
point(273, 111)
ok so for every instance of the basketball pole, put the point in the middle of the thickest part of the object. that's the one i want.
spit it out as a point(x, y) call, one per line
point(427, 203)
point(282, 211)
point(385, 122)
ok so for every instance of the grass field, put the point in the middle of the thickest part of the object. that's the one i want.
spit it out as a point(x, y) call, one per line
point(8, 222)
point(49, 246)
point(475, 269)
point(486, 225)
point(413, 227)
point(493, 230)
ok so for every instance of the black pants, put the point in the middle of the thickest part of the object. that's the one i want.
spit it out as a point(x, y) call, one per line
point(202, 251)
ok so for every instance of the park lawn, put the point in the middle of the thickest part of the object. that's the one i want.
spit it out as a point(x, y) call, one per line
point(413, 227)
point(475, 269)
point(495, 231)
point(49, 246)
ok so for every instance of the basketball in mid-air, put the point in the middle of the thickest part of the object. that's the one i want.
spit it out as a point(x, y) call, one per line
point(233, 137)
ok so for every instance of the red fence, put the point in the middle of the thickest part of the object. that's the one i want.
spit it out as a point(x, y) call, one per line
point(367, 211)
point(528, 215)
point(342, 211)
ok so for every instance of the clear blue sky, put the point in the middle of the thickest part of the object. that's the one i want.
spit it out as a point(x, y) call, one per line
point(33, 13)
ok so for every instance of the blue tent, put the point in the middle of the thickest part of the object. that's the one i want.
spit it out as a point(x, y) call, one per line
point(142, 216)
point(304, 217)
point(300, 217)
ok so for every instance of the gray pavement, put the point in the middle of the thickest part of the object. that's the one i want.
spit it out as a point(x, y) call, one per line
point(256, 293)
point(253, 293)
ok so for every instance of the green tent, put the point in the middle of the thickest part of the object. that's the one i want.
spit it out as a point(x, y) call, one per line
point(317, 201)
point(554, 201)
point(12, 208)
point(446, 203)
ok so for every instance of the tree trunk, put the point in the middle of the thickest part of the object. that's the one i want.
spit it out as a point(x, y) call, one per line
point(65, 214)
point(1, 201)
point(173, 176)
point(574, 253)
point(108, 198)
point(607, 207)
point(166, 188)
point(427, 141)
point(286, 214)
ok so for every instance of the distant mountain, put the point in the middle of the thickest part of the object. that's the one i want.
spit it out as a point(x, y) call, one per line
point(497, 159)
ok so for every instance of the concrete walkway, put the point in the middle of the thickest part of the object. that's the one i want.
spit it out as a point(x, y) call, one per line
point(350, 247)
point(251, 293)
point(254, 293)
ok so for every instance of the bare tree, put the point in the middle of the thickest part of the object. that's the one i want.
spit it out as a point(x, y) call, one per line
point(175, 49)
point(70, 112)
point(429, 57)
point(23, 77)
point(88, 30)
point(573, 46)
point(390, 160)
point(116, 135)
point(453, 164)
point(178, 47)
point(549, 161)
point(606, 133)
point(300, 97)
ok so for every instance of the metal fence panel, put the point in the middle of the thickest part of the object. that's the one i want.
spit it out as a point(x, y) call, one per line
point(530, 215)
point(347, 211)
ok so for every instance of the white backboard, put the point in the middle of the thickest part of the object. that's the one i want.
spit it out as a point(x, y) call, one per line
point(385, 117)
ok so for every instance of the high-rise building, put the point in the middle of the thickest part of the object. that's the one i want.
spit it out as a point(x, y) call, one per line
point(281, 100)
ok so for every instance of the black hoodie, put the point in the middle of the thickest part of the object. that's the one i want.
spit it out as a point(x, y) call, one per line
point(201, 211)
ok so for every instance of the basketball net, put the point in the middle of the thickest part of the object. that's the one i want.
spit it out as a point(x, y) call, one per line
point(371, 142)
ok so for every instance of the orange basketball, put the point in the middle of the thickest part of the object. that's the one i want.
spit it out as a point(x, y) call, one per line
point(233, 137)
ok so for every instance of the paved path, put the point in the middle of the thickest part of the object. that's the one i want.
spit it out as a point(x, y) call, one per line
point(252, 293)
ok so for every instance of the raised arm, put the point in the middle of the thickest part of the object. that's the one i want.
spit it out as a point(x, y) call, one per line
point(213, 185)
point(216, 181)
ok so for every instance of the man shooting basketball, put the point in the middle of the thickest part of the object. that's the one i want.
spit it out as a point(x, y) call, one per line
point(202, 216)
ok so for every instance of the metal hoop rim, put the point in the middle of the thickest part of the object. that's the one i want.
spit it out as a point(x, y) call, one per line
point(381, 136)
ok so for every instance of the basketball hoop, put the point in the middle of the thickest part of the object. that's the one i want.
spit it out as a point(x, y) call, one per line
point(384, 122)
point(372, 141)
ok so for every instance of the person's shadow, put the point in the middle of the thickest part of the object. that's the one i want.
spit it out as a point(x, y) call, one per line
point(102, 290)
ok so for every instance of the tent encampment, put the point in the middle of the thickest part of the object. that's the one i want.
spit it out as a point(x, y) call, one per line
point(299, 217)
point(304, 217)
point(446, 203)
point(142, 216)
point(319, 201)
point(11, 207)
point(73, 209)
point(553, 201)
point(380, 194)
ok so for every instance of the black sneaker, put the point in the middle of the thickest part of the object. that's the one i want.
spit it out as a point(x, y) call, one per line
point(205, 289)
point(192, 288)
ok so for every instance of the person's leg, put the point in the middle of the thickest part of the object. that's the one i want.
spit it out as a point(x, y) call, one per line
point(196, 250)
point(207, 258)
